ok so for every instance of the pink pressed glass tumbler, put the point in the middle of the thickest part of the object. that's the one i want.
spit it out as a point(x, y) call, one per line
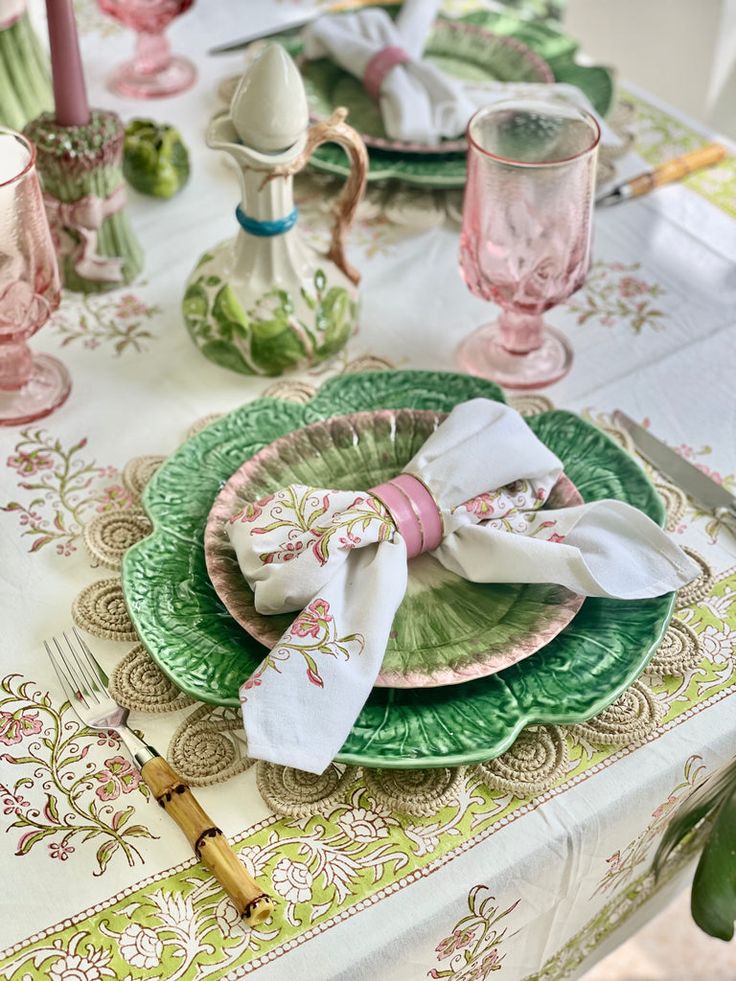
point(153, 72)
point(525, 242)
point(30, 386)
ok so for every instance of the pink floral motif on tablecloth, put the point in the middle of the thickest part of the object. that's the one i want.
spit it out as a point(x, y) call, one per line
point(622, 863)
point(474, 947)
point(15, 726)
point(61, 797)
point(613, 294)
point(59, 489)
point(119, 776)
point(94, 320)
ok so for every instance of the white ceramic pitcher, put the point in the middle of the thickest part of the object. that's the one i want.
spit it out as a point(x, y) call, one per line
point(267, 301)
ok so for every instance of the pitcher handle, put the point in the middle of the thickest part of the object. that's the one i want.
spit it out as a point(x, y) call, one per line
point(336, 130)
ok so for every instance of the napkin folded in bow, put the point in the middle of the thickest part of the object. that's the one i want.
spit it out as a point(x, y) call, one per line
point(339, 557)
point(419, 103)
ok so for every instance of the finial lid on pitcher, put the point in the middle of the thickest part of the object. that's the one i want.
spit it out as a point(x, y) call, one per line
point(269, 108)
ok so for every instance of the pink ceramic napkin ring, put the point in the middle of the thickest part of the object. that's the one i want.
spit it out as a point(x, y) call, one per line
point(414, 512)
point(380, 65)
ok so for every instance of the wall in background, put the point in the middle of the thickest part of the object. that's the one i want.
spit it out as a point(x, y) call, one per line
point(682, 50)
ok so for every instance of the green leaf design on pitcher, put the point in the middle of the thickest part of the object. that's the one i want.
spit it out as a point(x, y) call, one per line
point(274, 335)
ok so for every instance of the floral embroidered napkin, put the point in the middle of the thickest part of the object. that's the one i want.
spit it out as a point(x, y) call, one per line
point(346, 568)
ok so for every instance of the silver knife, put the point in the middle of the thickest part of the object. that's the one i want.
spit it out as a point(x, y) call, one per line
point(681, 472)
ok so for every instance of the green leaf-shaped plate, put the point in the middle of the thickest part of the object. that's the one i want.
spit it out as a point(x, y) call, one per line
point(464, 51)
point(191, 636)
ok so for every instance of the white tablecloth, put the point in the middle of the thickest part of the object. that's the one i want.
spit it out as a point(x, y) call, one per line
point(365, 893)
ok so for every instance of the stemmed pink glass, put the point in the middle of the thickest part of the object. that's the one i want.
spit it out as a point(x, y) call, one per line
point(30, 386)
point(154, 72)
point(526, 233)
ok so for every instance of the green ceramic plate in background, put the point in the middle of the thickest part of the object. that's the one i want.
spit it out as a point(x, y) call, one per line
point(464, 51)
point(448, 171)
point(191, 636)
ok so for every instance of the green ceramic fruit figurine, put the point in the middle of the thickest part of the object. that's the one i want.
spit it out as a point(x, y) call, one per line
point(155, 159)
point(266, 301)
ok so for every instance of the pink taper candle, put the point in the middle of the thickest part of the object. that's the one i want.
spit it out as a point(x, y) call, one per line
point(70, 94)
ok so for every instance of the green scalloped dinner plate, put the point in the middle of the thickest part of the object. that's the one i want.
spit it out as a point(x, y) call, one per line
point(464, 51)
point(199, 646)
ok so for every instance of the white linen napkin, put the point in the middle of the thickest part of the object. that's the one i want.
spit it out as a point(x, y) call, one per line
point(338, 557)
point(419, 103)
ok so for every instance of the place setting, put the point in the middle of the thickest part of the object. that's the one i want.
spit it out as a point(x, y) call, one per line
point(375, 613)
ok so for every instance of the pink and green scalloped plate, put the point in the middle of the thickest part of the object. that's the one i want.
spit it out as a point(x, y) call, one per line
point(197, 643)
point(447, 630)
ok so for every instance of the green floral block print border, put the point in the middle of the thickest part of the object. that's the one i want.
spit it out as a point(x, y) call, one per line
point(327, 868)
point(270, 338)
point(660, 136)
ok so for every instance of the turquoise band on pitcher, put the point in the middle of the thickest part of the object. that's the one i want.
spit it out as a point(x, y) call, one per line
point(266, 229)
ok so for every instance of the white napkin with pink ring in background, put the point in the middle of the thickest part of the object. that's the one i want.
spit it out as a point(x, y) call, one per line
point(419, 103)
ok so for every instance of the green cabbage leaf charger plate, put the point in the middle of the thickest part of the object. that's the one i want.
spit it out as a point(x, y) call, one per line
point(194, 640)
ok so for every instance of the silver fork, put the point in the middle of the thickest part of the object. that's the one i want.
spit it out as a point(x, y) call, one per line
point(85, 685)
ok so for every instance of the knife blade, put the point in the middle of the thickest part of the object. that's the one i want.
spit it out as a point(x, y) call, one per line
point(680, 471)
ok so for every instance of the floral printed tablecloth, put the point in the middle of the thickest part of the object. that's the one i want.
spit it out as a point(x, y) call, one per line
point(97, 883)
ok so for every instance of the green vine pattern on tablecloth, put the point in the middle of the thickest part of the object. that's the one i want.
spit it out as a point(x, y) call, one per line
point(62, 799)
point(622, 863)
point(614, 293)
point(473, 948)
point(660, 136)
point(60, 488)
point(101, 319)
point(324, 865)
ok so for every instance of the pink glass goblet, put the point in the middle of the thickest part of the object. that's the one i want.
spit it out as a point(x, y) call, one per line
point(153, 72)
point(31, 386)
point(525, 242)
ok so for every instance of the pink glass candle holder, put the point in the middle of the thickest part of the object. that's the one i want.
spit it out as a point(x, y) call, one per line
point(31, 386)
point(153, 72)
point(525, 243)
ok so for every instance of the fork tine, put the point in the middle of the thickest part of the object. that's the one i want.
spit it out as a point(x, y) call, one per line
point(94, 664)
point(71, 691)
point(84, 675)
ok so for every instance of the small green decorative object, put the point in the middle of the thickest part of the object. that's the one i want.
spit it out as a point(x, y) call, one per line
point(25, 83)
point(266, 301)
point(190, 635)
point(81, 173)
point(155, 159)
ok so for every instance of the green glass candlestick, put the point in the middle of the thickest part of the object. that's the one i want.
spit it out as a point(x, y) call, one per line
point(25, 84)
point(82, 177)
